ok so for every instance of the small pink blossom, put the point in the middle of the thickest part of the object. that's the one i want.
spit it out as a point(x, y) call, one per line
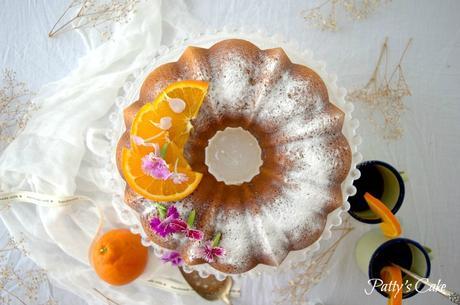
point(155, 166)
point(181, 226)
point(209, 253)
point(178, 178)
point(172, 257)
point(138, 140)
point(194, 234)
point(164, 227)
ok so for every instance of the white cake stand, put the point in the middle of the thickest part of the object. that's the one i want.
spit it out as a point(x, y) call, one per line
point(130, 92)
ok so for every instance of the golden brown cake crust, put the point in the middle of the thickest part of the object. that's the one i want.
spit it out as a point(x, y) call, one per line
point(268, 77)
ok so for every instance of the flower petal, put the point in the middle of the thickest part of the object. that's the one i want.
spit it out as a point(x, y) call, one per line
point(194, 234)
point(158, 227)
point(205, 252)
point(218, 251)
point(172, 211)
point(138, 140)
point(173, 257)
point(155, 167)
point(155, 222)
point(178, 225)
point(178, 178)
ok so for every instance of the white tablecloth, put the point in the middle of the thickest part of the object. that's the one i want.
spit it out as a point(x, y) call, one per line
point(427, 150)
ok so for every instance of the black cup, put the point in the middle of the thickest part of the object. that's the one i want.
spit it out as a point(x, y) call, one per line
point(382, 181)
point(406, 253)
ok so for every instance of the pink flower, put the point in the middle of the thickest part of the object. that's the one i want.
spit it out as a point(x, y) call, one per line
point(173, 257)
point(155, 166)
point(178, 178)
point(194, 234)
point(164, 227)
point(181, 226)
point(208, 252)
point(138, 140)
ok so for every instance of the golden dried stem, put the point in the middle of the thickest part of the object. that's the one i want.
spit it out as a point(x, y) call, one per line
point(398, 66)
point(92, 14)
point(109, 300)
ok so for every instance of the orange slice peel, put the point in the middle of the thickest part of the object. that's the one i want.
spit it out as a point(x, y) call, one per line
point(390, 225)
point(393, 275)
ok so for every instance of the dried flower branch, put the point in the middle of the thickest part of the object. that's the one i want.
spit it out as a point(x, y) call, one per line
point(20, 286)
point(109, 300)
point(311, 270)
point(324, 16)
point(83, 14)
point(384, 96)
point(15, 107)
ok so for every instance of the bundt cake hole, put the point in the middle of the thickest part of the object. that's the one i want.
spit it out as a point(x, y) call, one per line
point(264, 185)
point(233, 156)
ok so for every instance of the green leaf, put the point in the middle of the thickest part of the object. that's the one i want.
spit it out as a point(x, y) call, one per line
point(163, 150)
point(216, 240)
point(161, 209)
point(191, 218)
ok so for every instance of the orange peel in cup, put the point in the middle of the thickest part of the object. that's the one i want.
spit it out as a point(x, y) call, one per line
point(390, 274)
point(390, 225)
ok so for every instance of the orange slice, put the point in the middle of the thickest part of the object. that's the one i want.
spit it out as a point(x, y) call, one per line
point(171, 112)
point(390, 225)
point(390, 274)
point(158, 134)
point(159, 189)
point(173, 155)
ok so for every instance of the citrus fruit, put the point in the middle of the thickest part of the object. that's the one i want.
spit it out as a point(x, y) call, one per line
point(154, 166)
point(118, 256)
point(171, 180)
point(171, 112)
point(390, 274)
point(390, 225)
point(171, 153)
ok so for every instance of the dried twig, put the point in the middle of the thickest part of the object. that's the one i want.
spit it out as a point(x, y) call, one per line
point(325, 15)
point(384, 96)
point(310, 271)
point(15, 107)
point(109, 300)
point(26, 284)
point(83, 14)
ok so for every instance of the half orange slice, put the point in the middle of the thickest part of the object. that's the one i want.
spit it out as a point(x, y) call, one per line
point(390, 274)
point(159, 188)
point(171, 112)
point(390, 225)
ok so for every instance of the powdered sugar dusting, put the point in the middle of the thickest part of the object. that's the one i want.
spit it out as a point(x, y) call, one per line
point(230, 87)
point(304, 134)
point(289, 220)
point(304, 126)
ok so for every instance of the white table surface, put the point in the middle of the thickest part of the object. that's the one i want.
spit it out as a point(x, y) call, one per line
point(428, 150)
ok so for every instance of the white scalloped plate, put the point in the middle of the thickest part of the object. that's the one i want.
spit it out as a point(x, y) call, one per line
point(130, 92)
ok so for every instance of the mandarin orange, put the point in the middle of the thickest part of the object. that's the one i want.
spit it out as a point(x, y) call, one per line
point(118, 256)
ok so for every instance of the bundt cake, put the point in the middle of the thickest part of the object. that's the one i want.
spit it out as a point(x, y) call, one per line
point(304, 155)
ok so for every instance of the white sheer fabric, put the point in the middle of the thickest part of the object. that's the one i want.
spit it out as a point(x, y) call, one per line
point(426, 152)
point(51, 156)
